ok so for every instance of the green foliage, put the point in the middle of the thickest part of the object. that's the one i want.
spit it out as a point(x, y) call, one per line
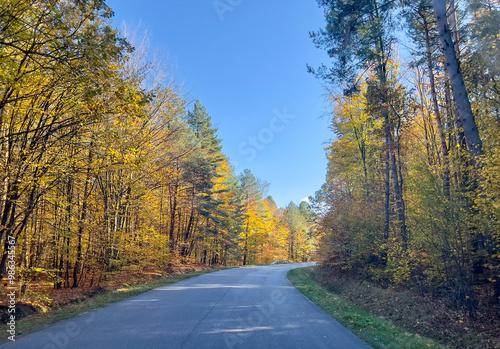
point(356, 33)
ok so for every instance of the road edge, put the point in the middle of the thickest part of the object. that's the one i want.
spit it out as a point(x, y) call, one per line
point(39, 321)
point(375, 330)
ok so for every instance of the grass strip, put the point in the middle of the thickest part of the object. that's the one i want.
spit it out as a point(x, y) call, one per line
point(375, 330)
point(40, 320)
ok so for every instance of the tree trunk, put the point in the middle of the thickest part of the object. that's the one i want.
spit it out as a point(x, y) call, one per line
point(454, 72)
point(81, 223)
point(454, 27)
point(8, 221)
point(437, 113)
point(173, 211)
point(387, 193)
point(245, 247)
point(398, 192)
point(391, 163)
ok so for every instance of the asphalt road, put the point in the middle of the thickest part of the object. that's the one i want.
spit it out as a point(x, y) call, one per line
point(253, 307)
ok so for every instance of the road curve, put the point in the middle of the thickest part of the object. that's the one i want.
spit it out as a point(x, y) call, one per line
point(253, 307)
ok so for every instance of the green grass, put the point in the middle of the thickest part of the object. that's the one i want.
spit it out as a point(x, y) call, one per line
point(375, 330)
point(40, 320)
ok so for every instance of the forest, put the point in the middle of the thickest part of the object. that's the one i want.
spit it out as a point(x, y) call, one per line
point(106, 168)
point(411, 194)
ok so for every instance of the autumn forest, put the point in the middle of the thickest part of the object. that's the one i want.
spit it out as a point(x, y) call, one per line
point(106, 167)
point(411, 194)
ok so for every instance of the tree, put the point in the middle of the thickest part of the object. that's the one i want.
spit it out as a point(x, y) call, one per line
point(53, 55)
point(423, 32)
point(358, 36)
point(251, 192)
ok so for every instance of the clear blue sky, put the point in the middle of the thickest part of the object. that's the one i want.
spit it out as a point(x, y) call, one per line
point(245, 60)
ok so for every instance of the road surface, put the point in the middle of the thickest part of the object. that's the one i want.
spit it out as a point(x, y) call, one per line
point(253, 307)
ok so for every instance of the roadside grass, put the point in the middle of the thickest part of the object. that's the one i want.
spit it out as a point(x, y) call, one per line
point(40, 320)
point(375, 330)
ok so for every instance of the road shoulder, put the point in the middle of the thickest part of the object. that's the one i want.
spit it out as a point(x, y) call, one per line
point(375, 330)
